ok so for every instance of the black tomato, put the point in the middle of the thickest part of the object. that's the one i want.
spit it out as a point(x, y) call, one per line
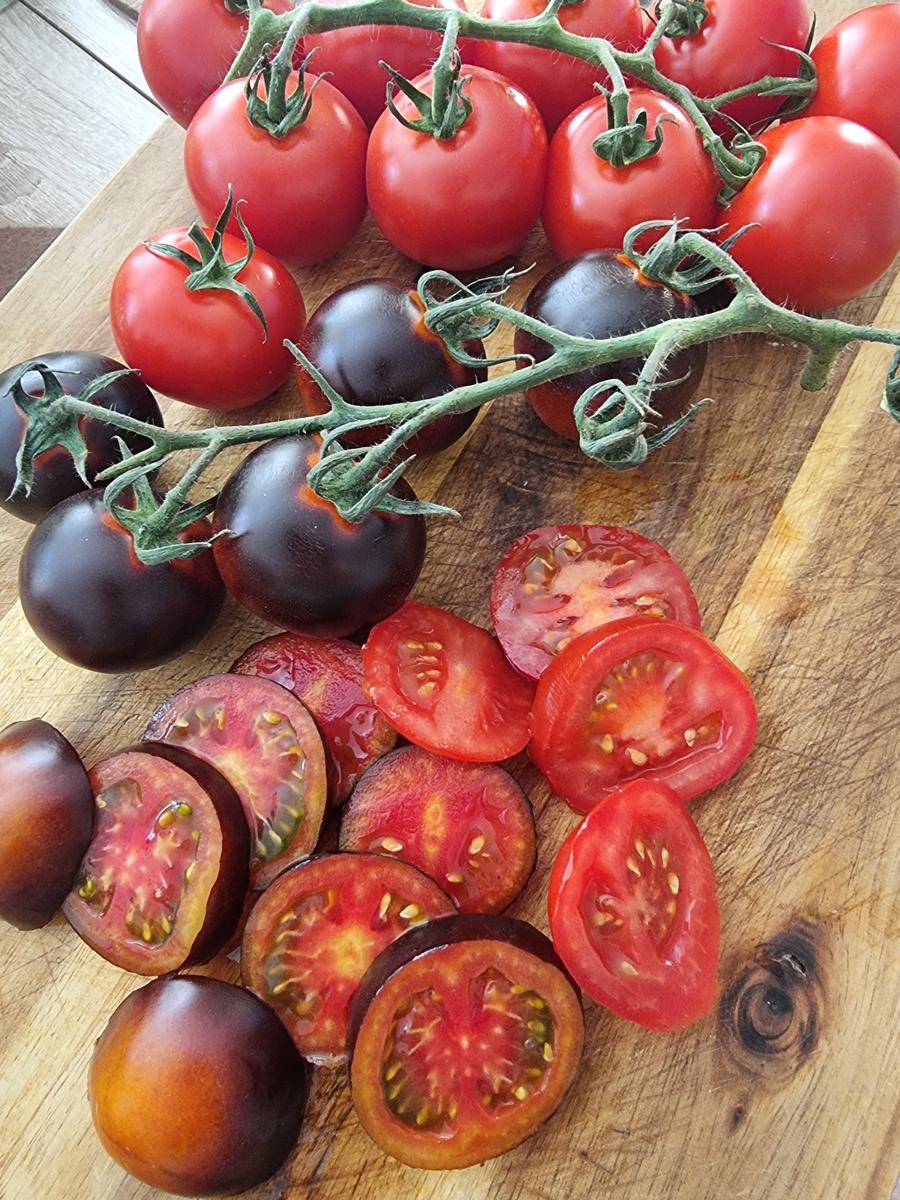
point(601, 295)
point(55, 477)
point(289, 556)
point(90, 599)
point(371, 343)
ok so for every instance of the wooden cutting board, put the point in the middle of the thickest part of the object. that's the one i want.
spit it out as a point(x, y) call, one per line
point(783, 509)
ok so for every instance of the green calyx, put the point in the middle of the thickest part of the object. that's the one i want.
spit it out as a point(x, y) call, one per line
point(630, 142)
point(236, 6)
point(446, 110)
point(683, 18)
point(278, 113)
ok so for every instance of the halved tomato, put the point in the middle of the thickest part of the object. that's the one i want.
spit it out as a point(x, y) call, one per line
point(633, 909)
point(640, 698)
point(559, 581)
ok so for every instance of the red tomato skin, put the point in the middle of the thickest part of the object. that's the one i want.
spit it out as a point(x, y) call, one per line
point(856, 63)
point(590, 205)
point(304, 194)
point(827, 203)
point(557, 83)
point(469, 201)
point(205, 348)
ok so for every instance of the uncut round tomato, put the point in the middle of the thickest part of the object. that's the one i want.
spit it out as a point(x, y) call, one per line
point(445, 685)
point(163, 882)
point(737, 44)
point(87, 595)
point(316, 931)
point(206, 348)
point(590, 205)
point(470, 200)
point(304, 194)
point(370, 341)
point(560, 581)
point(55, 476)
point(633, 908)
point(557, 83)
point(195, 1087)
point(600, 295)
point(465, 1036)
point(640, 698)
point(856, 71)
point(827, 205)
point(186, 48)
point(264, 742)
point(326, 676)
point(289, 556)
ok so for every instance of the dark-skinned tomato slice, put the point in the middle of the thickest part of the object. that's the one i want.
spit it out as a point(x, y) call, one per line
point(465, 1036)
point(266, 745)
point(467, 825)
point(326, 675)
point(559, 581)
point(163, 881)
point(633, 909)
point(641, 698)
point(316, 931)
point(445, 685)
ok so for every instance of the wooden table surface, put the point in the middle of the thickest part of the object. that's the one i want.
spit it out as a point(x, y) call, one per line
point(783, 509)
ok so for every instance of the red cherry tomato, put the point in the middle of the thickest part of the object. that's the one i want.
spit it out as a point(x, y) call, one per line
point(590, 204)
point(206, 348)
point(468, 201)
point(640, 698)
point(555, 82)
point(633, 909)
point(826, 203)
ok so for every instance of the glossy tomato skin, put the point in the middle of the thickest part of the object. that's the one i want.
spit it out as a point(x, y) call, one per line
point(90, 599)
point(557, 83)
point(602, 294)
point(471, 200)
point(206, 348)
point(370, 341)
point(304, 194)
point(55, 476)
point(633, 908)
point(211, 1057)
point(590, 204)
point(291, 558)
point(46, 821)
point(827, 203)
point(856, 64)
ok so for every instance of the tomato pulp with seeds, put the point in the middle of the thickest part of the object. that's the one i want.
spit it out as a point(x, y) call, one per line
point(445, 685)
point(316, 931)
point(560, 581)
point(641, 698)
point(633, 909)
point(265, 743)
point(163, 881)
point(326, 675)
point(467, 825)
point(465, 1036)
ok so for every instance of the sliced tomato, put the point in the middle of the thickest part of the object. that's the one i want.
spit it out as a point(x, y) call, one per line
point(633, 909)
point(316, 931)
point(445, 685)
point(641, 698)
point(467, 825)
point(559, 581)
point(265, 743)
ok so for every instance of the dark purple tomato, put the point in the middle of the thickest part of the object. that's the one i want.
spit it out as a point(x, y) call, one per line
point(371, 343)
point(88, 596)
point(600, 295)
point(55, 477)
point(289, 556)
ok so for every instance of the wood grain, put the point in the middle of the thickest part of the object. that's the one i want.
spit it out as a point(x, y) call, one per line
point(103, 29)
point(782, 508)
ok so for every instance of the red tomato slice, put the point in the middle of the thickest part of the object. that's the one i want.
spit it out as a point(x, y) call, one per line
point(633, 909)
point(641, 698)
point(559, 581)
point(445, 685)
